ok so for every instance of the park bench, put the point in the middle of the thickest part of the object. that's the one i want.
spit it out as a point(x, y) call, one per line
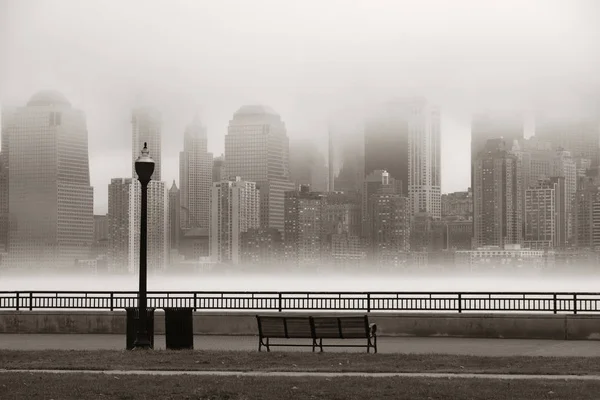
point(317, 329)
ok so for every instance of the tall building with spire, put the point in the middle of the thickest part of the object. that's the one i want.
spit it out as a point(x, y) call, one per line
point(50, 200)
point(424, 158)
point(257, 150)
point(146, 128)
point(195, 177)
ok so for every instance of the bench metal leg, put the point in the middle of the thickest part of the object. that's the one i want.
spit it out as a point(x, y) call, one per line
point(314, 344)
point(321, 344)
point(374, 344)
point(268, 347)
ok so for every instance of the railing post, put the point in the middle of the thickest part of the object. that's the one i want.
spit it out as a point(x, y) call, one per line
point(194, 301)
point(368, 302)
point(555, 305)
point(112, 298)
point(575, 304)
point(18, 301)
point(30, 301)
point(280, 301)
point(460, 303)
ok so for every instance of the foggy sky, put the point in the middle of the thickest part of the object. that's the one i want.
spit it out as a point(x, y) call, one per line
point(306, 59)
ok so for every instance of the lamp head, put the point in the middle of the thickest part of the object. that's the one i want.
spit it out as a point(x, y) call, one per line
point(144, 166)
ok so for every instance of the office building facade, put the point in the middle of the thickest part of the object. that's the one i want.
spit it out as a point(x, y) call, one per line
point(235, 209)
point(257, 150)
point(195, 177)
point(50, 200)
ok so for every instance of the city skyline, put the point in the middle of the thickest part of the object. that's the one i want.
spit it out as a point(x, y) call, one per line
point(101, 206)
point(216, 60)
point(521, 200)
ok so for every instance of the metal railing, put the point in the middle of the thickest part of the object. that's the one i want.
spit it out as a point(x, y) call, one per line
point(460, 302)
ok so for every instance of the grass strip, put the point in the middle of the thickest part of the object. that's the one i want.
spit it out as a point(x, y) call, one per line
point(293, 361)
point(81, 386)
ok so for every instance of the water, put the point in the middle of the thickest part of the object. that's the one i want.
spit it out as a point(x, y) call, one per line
point(332, 282)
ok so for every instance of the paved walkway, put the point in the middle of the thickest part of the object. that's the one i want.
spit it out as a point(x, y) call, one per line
point(402, 345)
point(316, 374)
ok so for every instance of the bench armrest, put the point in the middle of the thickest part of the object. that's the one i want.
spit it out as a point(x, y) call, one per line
point(373, 330)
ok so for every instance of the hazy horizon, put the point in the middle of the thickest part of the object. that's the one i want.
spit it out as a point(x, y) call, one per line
point(309, 61)
point(334, 282)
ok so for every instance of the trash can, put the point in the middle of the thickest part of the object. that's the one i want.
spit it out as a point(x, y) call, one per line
point(179, 328)
point(132, 326)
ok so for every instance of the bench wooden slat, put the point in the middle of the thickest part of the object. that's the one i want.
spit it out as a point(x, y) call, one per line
point(326, 328)
point(354, 327)
point(272, 327)
point(299, 327)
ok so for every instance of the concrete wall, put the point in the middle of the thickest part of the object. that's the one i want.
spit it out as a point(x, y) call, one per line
point(538, 326)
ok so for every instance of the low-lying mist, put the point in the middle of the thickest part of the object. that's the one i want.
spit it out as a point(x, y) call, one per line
point(497, 281)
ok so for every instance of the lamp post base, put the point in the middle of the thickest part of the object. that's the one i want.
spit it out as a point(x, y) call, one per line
point(142, 342)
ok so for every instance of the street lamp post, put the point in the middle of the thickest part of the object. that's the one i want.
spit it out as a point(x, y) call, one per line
point(144, 167)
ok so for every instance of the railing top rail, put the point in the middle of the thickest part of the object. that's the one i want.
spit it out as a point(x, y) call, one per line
point(304, 293)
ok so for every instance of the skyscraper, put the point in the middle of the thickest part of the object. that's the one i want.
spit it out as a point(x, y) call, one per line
point(119, 198)
point(146, 128)
point(386, 143)
point(174, 216)
point(257, 150)
point(100, 227)
point(235, 209)
point(424, 158)
point(486, 126)
point(307, 166)
point(218, 169)
point(586, 211)
point(372, 185)
point(565, 166)
point(158, 226)
point(578, 135)
point(546, 214)
point(304, 233)
point(404, 139)
point(496, 125)
point(497, 196)
point(50, 200)
point(195, 177)
point(342, 228)
point(346, 158)
point(7, 115)
point(389, 234)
